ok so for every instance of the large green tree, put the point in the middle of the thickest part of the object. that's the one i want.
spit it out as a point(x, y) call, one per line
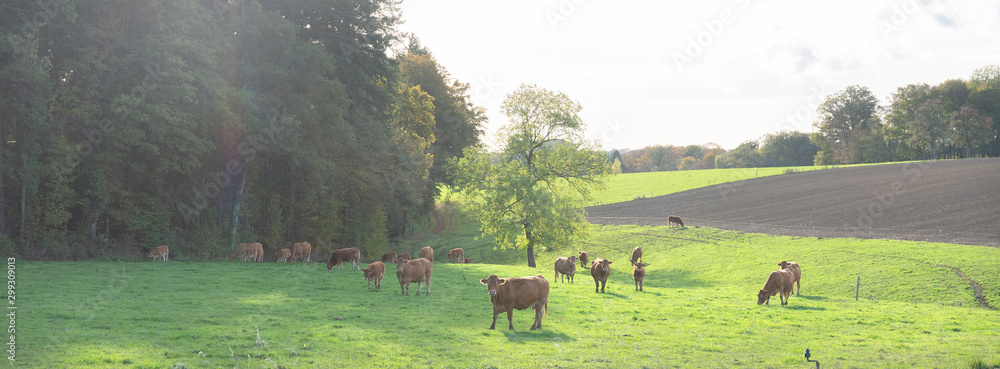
point(846, 118)
point(532, 191)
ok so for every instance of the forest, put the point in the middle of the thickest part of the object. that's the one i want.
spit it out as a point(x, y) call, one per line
point(200, 123)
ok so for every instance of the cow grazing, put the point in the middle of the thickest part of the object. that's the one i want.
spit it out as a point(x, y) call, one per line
point(413, 271)
point(600, 269)
point(456, 255)
point(673, 219)
point(253, 252)
point(638, 274)
point(796, 273)
point(301, 251)
point(778, 282)
point(584, 262)
point(636, 255)
point(283, 255)
point(565, 267)
point(388, 257)
point(427, 253)
point(468, 260)
point(350, 254)
point(375, 272)
point(404, 256)
point(159, 252)
point(508, 294)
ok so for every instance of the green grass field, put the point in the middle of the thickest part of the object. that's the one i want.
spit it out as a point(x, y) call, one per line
point(698, 310)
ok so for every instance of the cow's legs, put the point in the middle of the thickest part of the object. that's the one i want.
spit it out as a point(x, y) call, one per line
point(420, 285)
point(602, 285)
point(510, 318)
point(495, 314)
point(597, 286)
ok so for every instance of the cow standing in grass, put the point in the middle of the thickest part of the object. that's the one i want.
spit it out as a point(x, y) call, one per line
point(414, 271)
point(283, 256)
point(389, 257)
point(600, 269)
point(638, 274)
point(508, 294)
point(636, 255)
point(159, 252)
point(456, 255)
point(796, 273)
point(351, 255)
point(673, 219)
point(778, 282)
point(565, 267)
point(375, 272)
point(427, 253)
point(301, 251)
point(584, 261)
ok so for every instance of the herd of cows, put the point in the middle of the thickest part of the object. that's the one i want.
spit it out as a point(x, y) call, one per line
point(506, 294)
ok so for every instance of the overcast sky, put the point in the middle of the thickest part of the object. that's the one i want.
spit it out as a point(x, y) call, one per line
point(694, 72)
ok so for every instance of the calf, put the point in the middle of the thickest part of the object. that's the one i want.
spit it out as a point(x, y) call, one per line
point(600, 269)
point(413, 271)
point(456, 255)
point(796, 273)
point(374, 272)
point(468, 260)
point(283, 255)
point(388, 257)
point(350, 254)
point(256, 252)
point(778, 282)
point(638, 274)
point(566, 267)
point(427, 253)
point(584, 262)
point(405, 256)
point(636, 255)
point(301, 251)
point(159, 252)
point(673, 219)
point(508, 294)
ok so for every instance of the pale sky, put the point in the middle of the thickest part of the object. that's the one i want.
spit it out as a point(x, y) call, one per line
point(693, 71)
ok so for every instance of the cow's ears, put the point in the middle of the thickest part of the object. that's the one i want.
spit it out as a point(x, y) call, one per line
point(609, 262)
point(483, 281)
point(502, 281)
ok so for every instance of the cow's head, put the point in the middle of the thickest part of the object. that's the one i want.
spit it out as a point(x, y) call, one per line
point(400, 262)
point(783, 264)
point(368, 273)
point(640, 267)
point(583, 255)
point(762, 296)
point(492, 282)
point(572, 259)
point(330, 264)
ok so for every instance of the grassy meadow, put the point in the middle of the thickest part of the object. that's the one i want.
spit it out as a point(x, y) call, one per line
point(698, 309)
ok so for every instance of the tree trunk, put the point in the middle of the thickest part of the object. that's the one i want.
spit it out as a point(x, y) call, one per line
point(236, 214)
point(3, 203)
point(531, 244)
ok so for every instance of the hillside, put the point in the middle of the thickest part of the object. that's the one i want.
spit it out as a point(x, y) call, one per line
point(953, 201)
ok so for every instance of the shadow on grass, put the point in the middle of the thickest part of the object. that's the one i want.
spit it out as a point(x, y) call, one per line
point(800, 307)
point(813, 298)
point(542, 335)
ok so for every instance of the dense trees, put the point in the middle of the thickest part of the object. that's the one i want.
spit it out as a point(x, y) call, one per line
point(533, 190)
point(126, 125)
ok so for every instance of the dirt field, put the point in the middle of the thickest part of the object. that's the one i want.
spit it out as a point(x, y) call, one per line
point(954, 201)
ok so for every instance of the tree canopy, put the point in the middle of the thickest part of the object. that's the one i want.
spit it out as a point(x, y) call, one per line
point(533, 190)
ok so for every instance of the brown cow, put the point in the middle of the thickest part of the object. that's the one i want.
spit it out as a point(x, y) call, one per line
point(518, 293)
point(253, 252)
point(778, 282)
point(673, 219)
point(566, 267)
point(796, 273)
point(374, 272)
point(159, 252)
point(301, 251)
point(350, 254)
point(638, 274)
point(388, 257)
point(600, 269)
point(427, 253)
point(636, 255)
point(456, 255)
point(414, 271)
point(468, 260)
point(283, 255)
point(584, 262)
point(404, 256)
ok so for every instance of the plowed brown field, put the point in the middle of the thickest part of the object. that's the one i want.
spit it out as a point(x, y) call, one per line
point(954, 201)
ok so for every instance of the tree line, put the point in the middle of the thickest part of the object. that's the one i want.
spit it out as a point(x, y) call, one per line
point(200, 123)
point(954, 119)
